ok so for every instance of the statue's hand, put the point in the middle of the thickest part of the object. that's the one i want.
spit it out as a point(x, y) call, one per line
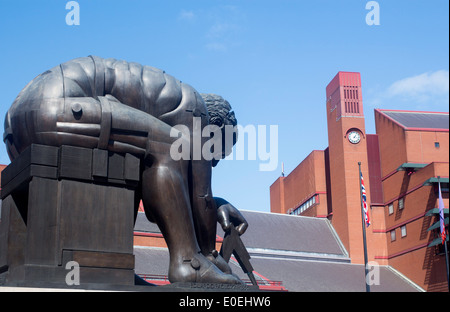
point(229, 216)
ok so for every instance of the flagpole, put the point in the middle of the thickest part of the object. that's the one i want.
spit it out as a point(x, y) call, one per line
point(446, 264)
point(366, 269)
point(444, 242)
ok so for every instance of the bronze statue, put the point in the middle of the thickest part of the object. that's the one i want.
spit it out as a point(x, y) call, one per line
point(125, 107)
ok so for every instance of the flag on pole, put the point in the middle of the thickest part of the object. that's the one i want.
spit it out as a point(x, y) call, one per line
point(441, 216)
point(364, 199)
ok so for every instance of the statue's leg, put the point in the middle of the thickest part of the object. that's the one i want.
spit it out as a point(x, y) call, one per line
point(102, 123)
point(166, 196)
point(205, 213)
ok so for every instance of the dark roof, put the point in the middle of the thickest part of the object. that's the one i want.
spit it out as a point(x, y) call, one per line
point(318, 276)
point(418, 120)
point(149, 260)
point(290, 233)
point(304, 253)
point(295, 275)
point(143, 225)
point(278, 232)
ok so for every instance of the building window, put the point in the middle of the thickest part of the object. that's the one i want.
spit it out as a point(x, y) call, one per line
point(392, 235)
point(403, 230)
point(401, 203)
point(391, 208)
point(436, 144)
point(310, 202)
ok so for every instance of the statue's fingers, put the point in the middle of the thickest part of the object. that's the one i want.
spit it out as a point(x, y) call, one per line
point(238, 219)
point(241, 228)
point(223, 218)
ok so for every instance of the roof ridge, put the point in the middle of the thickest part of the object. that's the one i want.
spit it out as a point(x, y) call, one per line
point(282, 214)
point(297, 255)
point(407, 280)
point(409, 111)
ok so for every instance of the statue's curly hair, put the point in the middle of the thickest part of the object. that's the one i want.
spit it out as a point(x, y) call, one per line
point(219, 110)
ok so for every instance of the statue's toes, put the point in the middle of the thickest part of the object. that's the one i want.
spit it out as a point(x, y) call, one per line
point(219, 262)
point(209, 273)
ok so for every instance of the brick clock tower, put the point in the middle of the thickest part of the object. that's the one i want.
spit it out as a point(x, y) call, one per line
point(347, 147)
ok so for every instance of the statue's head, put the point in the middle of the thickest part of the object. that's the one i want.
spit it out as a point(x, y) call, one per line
point(221, 115)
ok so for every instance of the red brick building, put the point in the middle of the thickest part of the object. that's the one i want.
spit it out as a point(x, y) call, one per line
point(400, 164)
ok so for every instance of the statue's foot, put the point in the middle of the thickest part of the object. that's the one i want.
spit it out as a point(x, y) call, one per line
point(200, 270)
point(219, 262)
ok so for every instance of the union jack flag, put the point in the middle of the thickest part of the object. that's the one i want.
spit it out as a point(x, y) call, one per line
point(364, 200)
point(441, 216)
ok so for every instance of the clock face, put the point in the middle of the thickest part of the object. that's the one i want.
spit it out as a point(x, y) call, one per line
point(354, 137)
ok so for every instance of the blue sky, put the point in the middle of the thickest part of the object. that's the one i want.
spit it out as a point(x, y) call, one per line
point(270, 59)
